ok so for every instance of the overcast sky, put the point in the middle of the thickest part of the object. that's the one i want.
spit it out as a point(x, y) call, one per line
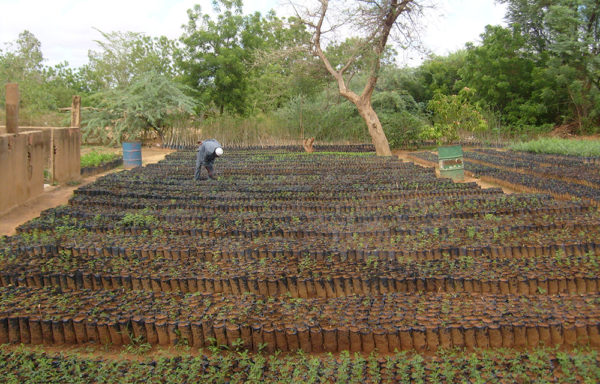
point(66, 27)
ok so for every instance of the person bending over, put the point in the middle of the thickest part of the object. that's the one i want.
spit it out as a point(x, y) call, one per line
point(208, 151)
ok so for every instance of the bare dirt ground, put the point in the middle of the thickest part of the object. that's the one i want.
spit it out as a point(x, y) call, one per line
point(53, 196)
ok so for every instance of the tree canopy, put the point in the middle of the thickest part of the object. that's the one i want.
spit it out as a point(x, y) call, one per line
point(541, 70)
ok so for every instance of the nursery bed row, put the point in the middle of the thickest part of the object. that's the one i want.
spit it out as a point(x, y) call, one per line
point(558, 165)
point(576, 163)
point(585, 174)
point(289, 165)
point(400, 189)
point(358, 323)
point(558, 188)
point(490, 203)
point(90, 171)
point(380, 245)
point(333, 226)
point(278, 185)
point(564, 183)
point(282, 196)
point(505, 366)
point(580, 276)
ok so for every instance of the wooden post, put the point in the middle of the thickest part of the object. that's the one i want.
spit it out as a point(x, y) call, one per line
point(76, 112)
point(12, 108)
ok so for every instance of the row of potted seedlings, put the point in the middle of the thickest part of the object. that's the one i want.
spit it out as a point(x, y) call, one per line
point(555, 166)
point(400, 220)
point(356, 323)
point(425, 204)
point(561, 182)
point(564, 271)
point(538, 184)
point(395, 244)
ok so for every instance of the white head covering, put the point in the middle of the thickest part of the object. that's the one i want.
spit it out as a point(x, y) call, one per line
point(219, 151)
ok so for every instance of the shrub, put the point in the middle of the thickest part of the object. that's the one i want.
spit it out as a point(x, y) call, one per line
point(94, 159)
point(453, 114)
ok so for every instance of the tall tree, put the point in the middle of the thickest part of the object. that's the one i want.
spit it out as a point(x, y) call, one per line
point(506, 77)
point(441, 74)
point(282, 69)
point(372, 23)
point(124, 55)
point(216, 53)
point(42, 89)
point(567, 33)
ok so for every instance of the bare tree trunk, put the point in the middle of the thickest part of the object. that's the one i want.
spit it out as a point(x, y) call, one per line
point(380, 141)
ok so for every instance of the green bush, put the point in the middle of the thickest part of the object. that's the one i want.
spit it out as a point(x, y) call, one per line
point(323, 118)
point(454, 114)
point(94, 159)
point(403, 129)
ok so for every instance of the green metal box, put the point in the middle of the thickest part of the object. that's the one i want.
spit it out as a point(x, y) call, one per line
point(451, 162)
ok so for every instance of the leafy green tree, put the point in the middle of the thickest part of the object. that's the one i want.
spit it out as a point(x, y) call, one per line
point(22, 63)
point(125, 55)
point(216, 54)
point(441, 74)
point(282, 70)
point(406, 80)
point(566, 33)
point(395, 99)
point(507, 77)
point(574, 29)
point(42, 89)
point(24, 57)
point(149, 104)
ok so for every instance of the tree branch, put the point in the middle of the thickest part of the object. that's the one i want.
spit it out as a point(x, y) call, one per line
point(317, 44)
point(389, 19)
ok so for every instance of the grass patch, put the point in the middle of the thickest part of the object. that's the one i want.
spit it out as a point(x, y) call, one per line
point(94, 159)
point(556, 146)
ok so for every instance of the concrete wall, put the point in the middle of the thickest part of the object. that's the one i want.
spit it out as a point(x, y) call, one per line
point(66, 144)
point(62, 151)
point(47, 138)
point(21, 168)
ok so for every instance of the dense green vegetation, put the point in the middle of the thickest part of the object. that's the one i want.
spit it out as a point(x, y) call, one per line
point(94, 158)
point(540, 365)
point(557, 146)
point(251, 78)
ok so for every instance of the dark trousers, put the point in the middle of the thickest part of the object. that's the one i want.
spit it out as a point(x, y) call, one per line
point(209, 168)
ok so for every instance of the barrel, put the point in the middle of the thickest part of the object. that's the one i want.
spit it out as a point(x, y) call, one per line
point(132, 155)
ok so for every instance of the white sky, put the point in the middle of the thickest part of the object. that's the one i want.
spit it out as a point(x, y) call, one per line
point(66, 27)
